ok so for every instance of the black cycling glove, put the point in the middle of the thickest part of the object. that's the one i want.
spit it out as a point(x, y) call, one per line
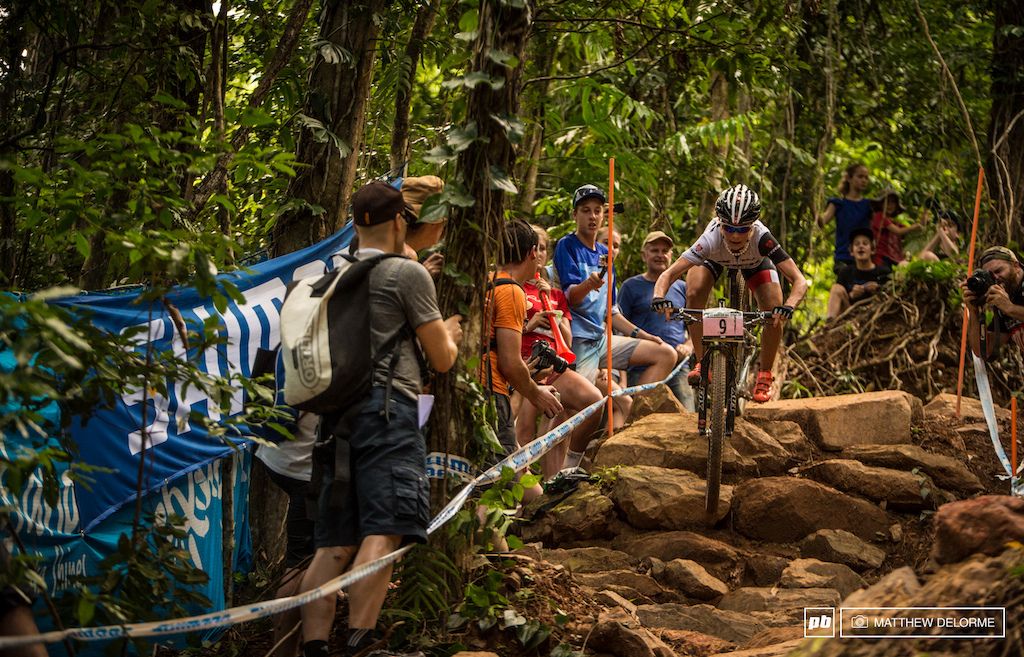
point(659, 304)
point(785, 311)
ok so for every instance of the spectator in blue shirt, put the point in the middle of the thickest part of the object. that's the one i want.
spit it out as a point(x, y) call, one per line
point(579, 264)
point(635, 297)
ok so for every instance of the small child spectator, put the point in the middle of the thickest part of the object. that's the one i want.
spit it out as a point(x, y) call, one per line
point(850, 210)
point(862, 280)
point(889, 246)
point(946, 241)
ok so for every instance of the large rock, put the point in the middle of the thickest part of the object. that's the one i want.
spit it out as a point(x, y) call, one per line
point(690, 579)
point(947, 472)
point(617, 580)
point(729, 625)
point(901, 491)
point(765, 569)
point(880, 418)
point(772, 636)
point(720, 559)
point(786, 432)
point(585, 515)
point(591, 560)
point(672, 441)
point(658, 400)
point(944, 406)
point(771, 650)
point(812, 573)
point(897, 589)
point(838, 546)
point(982, 525)
point(661, 498)
point(784, 510)
point(756, 598)
point(618, 634)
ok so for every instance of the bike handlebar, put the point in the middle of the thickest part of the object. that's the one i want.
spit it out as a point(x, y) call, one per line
point(691, 315)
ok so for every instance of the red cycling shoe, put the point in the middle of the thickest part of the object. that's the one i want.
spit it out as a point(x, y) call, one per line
point(693, 378)
point(763, 387)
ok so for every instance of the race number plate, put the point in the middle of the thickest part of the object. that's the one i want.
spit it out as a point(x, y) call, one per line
point(721, 323)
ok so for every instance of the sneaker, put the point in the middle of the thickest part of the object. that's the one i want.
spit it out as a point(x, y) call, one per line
point(693, 378)
point(763, 387)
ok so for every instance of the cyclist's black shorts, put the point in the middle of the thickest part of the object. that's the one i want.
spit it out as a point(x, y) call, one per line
point(755, 276)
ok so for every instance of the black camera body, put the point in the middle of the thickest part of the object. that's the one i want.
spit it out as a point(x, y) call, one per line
point(546, 357)
point(979, 283)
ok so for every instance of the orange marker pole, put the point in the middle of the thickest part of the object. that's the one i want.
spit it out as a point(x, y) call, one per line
point(609, 273)
point(970, 268)
point(1013, 442)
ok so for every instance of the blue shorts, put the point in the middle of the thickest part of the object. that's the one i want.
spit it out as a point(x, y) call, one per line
point(388, 494)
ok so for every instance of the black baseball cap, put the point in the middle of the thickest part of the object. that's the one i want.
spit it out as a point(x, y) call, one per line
point(866, 232)
point(376, 203)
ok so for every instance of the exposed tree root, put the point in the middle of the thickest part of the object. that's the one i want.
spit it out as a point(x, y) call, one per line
point(907, 340)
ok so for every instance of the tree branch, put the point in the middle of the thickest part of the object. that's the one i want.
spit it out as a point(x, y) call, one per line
point(285, 50)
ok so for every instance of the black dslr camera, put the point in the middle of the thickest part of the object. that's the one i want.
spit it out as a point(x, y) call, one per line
point(979, 283)
point(546, 357)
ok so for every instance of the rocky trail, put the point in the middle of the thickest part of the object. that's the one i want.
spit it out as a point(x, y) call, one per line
point(870, 500)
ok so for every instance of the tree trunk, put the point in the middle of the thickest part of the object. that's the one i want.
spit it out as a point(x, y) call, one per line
point(474, 231)
point(1006, 135)
point(718, 151)
point(337, 98)
point(403, 94)
point(534, 142)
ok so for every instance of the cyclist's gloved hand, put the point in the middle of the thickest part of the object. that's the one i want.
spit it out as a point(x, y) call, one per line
point(785, 311)
point(661, 304)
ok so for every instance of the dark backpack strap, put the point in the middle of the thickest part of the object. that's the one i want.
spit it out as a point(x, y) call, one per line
point(493, 344)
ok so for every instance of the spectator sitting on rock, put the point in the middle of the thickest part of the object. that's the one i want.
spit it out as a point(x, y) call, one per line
point(946, 241)
point(860, 281)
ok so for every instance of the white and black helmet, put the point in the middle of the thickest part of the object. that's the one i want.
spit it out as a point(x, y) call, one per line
point(738, 206)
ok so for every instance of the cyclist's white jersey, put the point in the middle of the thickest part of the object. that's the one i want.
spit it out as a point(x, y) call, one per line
point(711, 247)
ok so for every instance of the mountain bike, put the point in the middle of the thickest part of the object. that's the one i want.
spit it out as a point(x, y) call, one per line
point(748, 353)
point(727, 341)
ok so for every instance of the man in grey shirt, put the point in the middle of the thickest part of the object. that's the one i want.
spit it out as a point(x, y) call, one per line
point(387, 504)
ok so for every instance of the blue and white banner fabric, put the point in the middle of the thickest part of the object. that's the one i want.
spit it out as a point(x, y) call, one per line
point(985, 395)
point(113, 438)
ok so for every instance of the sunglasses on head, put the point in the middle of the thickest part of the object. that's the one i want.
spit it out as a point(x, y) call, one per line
point(737, 229)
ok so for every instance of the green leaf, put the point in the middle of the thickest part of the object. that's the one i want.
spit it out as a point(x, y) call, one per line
point(470, 20)
point(512, 125)
point(82, 245)
point(502, 58)
point(500, 180)
point(86, 610)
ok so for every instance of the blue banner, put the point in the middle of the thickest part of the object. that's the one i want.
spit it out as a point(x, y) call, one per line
point(113, 438)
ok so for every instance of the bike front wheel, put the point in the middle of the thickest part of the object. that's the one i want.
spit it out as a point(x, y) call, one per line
point(718, 407)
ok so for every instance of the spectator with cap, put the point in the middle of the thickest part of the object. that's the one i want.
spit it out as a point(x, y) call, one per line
point(860, 281)
point(635, 298)
point(1005, 294)
point(578, 260)
point(387, 451)
point(424, 229)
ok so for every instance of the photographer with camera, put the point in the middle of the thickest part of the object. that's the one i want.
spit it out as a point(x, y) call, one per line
point(998, 283)
point(539, 349)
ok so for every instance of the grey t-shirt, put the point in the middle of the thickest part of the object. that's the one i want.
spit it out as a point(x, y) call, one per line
point(401, 292)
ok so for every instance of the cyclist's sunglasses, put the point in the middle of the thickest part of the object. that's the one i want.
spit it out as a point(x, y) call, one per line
point(737, 229)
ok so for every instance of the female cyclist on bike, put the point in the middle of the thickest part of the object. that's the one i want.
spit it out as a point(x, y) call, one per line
point(736, 239)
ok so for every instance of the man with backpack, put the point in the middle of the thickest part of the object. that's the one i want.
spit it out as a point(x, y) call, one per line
point(386, 500)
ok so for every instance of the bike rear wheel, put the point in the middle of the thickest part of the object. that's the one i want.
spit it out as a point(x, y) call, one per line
point(718, 407)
